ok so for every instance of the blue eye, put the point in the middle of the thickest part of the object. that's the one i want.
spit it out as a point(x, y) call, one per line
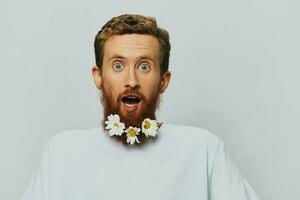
point(144, 67)
point(117, 66)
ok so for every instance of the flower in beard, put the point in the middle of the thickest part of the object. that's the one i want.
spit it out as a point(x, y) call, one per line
point(149, 127)
point(132, 133)
point(114, 125)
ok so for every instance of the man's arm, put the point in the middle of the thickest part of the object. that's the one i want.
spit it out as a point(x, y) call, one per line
point(37, 188)
point(226, 182)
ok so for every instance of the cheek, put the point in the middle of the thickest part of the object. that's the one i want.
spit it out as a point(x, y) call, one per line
point(150, 86)
point(111, 86)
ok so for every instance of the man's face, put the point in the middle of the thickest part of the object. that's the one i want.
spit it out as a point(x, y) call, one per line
point(130, 77)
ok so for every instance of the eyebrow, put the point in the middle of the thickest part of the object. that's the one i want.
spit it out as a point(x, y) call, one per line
point(117, 56)
point(147, 57)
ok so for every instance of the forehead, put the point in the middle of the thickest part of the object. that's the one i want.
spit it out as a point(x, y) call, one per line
point(132, 46)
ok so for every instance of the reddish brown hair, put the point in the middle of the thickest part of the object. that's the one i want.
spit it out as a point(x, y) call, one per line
point(128, 24)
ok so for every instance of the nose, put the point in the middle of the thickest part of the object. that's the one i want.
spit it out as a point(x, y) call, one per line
point(132, 81)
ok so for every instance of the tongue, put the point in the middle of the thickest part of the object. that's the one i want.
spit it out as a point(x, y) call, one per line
point(130, 107)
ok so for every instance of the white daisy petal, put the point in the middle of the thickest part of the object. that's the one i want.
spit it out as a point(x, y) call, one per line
point(116, 118)
point(111, 132)
point(110, 117)
point(122, 125)
point(108, 126)
point(131, 141)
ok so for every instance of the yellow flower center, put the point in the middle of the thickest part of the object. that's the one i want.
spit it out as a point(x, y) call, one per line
point(132, 132)
point(116, 125)
point(147, 124)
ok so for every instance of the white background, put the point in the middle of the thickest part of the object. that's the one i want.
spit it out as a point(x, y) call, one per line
point(235, 67)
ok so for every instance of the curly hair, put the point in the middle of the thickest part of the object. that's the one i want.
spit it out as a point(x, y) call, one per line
point(128, 24)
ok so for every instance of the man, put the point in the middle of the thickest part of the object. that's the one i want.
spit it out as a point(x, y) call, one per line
point(133, 155)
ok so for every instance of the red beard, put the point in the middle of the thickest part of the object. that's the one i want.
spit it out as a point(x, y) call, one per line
point(135, 119)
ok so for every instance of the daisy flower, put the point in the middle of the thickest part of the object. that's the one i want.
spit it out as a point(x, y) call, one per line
point(114, 125)
point(149, 127)
point(132, 133)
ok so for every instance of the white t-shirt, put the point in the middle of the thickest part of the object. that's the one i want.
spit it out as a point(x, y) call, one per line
point(184, 163)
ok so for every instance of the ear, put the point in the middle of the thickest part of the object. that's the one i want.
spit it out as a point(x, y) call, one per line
point(96, 72)
point(165, 79)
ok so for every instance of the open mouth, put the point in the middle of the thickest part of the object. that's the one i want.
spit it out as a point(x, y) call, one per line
point(131, 100)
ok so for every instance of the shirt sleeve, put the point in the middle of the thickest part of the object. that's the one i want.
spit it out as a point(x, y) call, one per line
point(227, 183)
point(37, 188)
